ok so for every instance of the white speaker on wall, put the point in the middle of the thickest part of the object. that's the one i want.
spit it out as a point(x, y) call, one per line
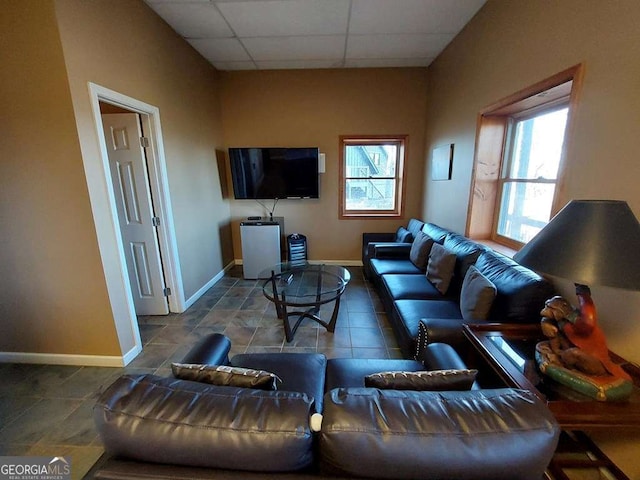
point(321, 163)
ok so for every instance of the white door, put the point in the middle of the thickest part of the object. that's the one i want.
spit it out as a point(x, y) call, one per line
point(129, 175)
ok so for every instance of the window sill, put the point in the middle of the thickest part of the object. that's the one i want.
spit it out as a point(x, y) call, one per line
point(503, 249)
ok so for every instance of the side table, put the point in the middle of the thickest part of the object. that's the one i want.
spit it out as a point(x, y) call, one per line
point(508, 351)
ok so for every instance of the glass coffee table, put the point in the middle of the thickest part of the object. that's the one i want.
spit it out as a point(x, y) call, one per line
point(299, 289)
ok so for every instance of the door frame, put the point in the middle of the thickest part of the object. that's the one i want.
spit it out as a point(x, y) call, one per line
point(106, 221)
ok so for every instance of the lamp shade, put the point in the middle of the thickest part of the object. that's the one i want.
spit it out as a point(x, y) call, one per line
point(591, 242)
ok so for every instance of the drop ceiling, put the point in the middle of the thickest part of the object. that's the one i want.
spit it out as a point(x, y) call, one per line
point(284, 34)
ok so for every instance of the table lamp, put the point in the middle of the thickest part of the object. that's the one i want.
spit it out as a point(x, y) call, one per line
point(591, 242)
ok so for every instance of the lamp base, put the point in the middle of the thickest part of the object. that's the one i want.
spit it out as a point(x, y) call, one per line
point(604, 388)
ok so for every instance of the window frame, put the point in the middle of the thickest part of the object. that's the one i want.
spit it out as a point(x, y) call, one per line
point(402, 149)
point(508, 159)
point(491, 145)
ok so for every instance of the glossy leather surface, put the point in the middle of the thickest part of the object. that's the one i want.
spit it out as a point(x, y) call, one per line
point(300, 372)
point(210, 350)
point(350, 372)
point(165, 420)
point(521, 292)
point(483, 434)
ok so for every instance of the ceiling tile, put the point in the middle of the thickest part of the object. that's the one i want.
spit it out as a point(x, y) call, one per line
point(387, 62)
point(411, 16)
point(296, 48)
point(220, 49)
point(193, 20)
point(396, 45)
point(297, 64)
point(286, 17)
point(235, 65)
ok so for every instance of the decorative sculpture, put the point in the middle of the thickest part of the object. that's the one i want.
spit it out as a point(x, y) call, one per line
point(576, 353)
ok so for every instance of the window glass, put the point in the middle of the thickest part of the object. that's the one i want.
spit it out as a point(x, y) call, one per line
point(528, 188)
point(371, 176)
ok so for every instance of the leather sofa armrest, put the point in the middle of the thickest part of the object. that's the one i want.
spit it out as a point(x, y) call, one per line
point(446, 330)
point(369, 239)
point(392, 250)
point(210, 350)
point(441, 356)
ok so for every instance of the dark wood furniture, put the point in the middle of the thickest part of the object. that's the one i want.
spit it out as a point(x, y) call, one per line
point(508, 351)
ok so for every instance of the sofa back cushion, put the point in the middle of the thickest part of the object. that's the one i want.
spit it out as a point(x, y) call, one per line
point(434, 231)
point(467, 252)
point(164, 420)
point(520, 292)
point(427, 435)
point(414, 226)
point(403, 236)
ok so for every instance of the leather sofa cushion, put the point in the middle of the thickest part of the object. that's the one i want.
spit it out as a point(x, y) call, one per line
point(521, 293)
point(403, 235)
point(381, 266)
point(406, 315)
point(467, 252)
point(434, 231)
point(299, 372)
point(402, 286)
point(504, 434)
point(350, 372)
point(164, 420)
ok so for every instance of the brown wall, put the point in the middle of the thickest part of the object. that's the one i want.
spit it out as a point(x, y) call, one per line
point(53, 295)
point(149, 62)
point(510, 45)
point(312, 108)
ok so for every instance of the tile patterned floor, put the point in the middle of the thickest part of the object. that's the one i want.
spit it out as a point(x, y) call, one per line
point(46, 410)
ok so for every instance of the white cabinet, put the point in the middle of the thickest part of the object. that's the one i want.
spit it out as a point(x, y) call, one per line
point(260, 247)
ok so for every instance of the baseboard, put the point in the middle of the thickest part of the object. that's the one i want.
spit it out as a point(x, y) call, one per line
point(344, 263)
point(63, 359)
point(194, 298)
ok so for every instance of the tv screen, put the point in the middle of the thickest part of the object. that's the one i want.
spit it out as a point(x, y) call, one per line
point(264, 173)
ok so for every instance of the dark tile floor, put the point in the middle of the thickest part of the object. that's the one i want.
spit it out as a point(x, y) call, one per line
point(45, 410)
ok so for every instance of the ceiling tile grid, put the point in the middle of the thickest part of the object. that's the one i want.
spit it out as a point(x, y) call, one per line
point(283, 34)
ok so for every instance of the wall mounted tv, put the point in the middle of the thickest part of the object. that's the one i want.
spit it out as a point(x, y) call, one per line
point(265, 173)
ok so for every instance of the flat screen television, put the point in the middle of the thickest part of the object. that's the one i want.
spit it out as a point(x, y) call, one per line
point(269, 173)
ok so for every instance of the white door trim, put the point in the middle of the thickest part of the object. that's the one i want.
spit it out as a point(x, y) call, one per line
point(106, 217)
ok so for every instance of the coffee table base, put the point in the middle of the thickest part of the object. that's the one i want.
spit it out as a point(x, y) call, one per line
point(311, 313)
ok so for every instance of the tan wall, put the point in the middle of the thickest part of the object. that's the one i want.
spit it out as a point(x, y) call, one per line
point(53, 295)
point(312, 108)
point(146, 60)
point(511, 45)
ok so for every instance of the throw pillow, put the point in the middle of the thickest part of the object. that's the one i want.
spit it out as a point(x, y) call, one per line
point(476, 295)
point(420, 248)
point(224, 375)
point(440, 267)
point(433, 380)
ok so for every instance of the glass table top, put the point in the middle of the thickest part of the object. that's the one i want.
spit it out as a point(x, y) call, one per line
point(304, 280)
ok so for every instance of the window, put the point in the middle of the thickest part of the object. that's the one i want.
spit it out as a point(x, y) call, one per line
point(519, 156)
point(371, 176)
point(530, 173)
